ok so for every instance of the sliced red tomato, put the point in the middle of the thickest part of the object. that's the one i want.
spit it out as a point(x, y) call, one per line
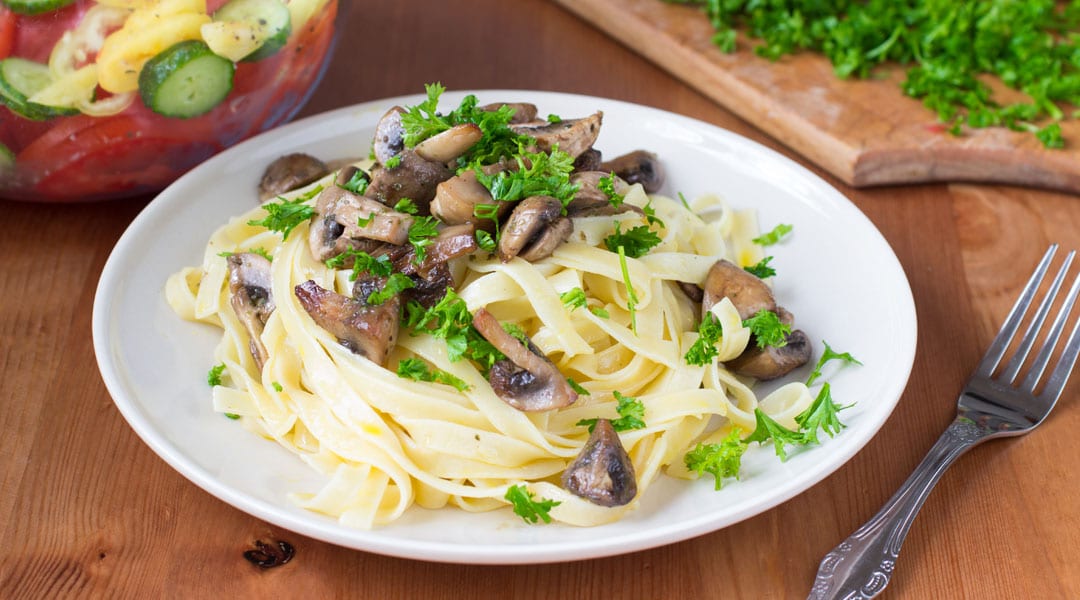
point(112, 157)
point(7, 31)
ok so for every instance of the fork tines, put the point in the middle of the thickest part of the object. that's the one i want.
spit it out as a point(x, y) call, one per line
point(1056, 381)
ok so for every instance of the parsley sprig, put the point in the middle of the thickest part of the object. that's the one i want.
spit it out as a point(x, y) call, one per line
point(721, 460)
point(635, 242)
point(285, 215)
point(631, 415)
point(703, 351)
point(538, 174)
point(528, 508)
point(767, 328)
point(417, 370)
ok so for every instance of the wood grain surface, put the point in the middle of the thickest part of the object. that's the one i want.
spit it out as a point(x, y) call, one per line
point(87, 510)
point(866, 132)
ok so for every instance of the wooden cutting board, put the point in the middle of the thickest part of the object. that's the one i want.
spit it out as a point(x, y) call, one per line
point(865, 132)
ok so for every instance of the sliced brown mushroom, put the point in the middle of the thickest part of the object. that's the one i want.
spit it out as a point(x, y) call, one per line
point(326, 237)
point(573, 136)
point(528, 226)
point(638, 166)
point(771, 362)
point(602, 473)
point(747, 292)
point(456, 200)
point(251, 298)
point(450, 144)
point(523, 111)
point(290, 172)
point(364, 218)
point(451, 242)
point(693, 291)
point(590, 201)
point(368, 330)
point(525, 379)
point(413, 178)
point(589, 160)
point(389, 135)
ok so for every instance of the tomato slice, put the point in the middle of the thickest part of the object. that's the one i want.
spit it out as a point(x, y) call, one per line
point(7, 31)
point(112, 157)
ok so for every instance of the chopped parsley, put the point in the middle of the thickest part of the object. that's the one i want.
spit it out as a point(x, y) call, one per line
point(607, 186)
point(393, 162)
point(357, 183)
point(532, 511)
point(213, 377)
point(417, 370)
point(703, 351)
point(828, 355)
point(721, 460)
point(821, 414)
point(450, 320)
point(363, 262)
point(650, 215)
point(485, 241)
point(553, 118)
point(285, 215)
point(631, 415)
point(767, 328)
point(406, 205)
point(600, 312)
point(538, 174)
point(277, 386)
point(635, 242)
point(365, 221)
point(761, 270)
point(574, 298)
point(781, 436)
point(421, 233)
point(577, 387)
point(631, 296)
point(395, 284)
point(489, 211)
point(773, 237)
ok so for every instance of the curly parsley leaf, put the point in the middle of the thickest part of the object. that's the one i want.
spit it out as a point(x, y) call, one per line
point(485, 241)
point(606, 185)
point(821, 414)
point(768, 330)
point(529, 509)
point(773, 237)
point(721, 460)
point(631, 415)
point(379, 266)
point(703, 351)
point(423, 120)
point(574, 298)
point(635, 242)
point(829, 355)
point(285, 215)
point(421, 233)
point(407, 206)
point(417, 370)
point(768, 429)
point(450, 320)
point(395, 284)
point(650, 215)
point(357, 183)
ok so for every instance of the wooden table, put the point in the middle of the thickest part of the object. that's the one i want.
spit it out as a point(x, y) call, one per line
point(86, 509)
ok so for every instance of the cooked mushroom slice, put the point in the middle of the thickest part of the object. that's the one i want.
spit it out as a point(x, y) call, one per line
point(251, 298)
point(430, 285)
point(638, 166)
point(528, 224)
point(456, 200)
point(389, 135)
point(327, 238)
point(366, 218)
point(451, 242)
point(290, 172)
point(771, 362)
point(692, 291)
point(573, 136)
point(749, 294)
point(450, 144)
point(550, 238)
point(368, 330)
point(602, 473)
point(413, 178)
point(525, 379)
point(589, 160)
point(523, 111)
point(590, 201)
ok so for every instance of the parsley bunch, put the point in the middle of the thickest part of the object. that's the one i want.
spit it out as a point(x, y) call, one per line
point(450, 320)
point(538, 174)
point(947, 47)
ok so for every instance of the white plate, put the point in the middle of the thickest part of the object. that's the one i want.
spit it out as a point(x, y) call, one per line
point(835, 273)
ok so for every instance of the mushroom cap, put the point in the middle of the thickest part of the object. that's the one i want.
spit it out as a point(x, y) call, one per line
point(389, 135)
point(252, 298)
point(746, 291)
point(639, 166)
point(448, 145)
point(525, 379)
point(771, 362)
point(413, 178)
point(590, 201)
point(456, 200)
point(602, 473)
point(528, 219)
point(290, 172)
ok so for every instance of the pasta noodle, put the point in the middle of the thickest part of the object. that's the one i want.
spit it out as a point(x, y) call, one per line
point(386, 443)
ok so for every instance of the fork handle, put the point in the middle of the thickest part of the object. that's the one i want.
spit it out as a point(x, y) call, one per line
point(860, 567)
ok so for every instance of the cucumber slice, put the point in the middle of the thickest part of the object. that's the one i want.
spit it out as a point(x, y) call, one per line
point(185, 80)
point(270, 17)
point(20, 79)
point(34, 7)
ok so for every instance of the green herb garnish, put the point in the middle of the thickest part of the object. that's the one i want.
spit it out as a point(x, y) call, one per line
point(721, 460)
point(532, 511)
point(417, 370)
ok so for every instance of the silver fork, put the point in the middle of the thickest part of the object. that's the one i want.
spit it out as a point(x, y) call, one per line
point(990, 406)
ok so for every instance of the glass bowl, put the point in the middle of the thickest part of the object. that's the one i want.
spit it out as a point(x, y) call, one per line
point(113, 98)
